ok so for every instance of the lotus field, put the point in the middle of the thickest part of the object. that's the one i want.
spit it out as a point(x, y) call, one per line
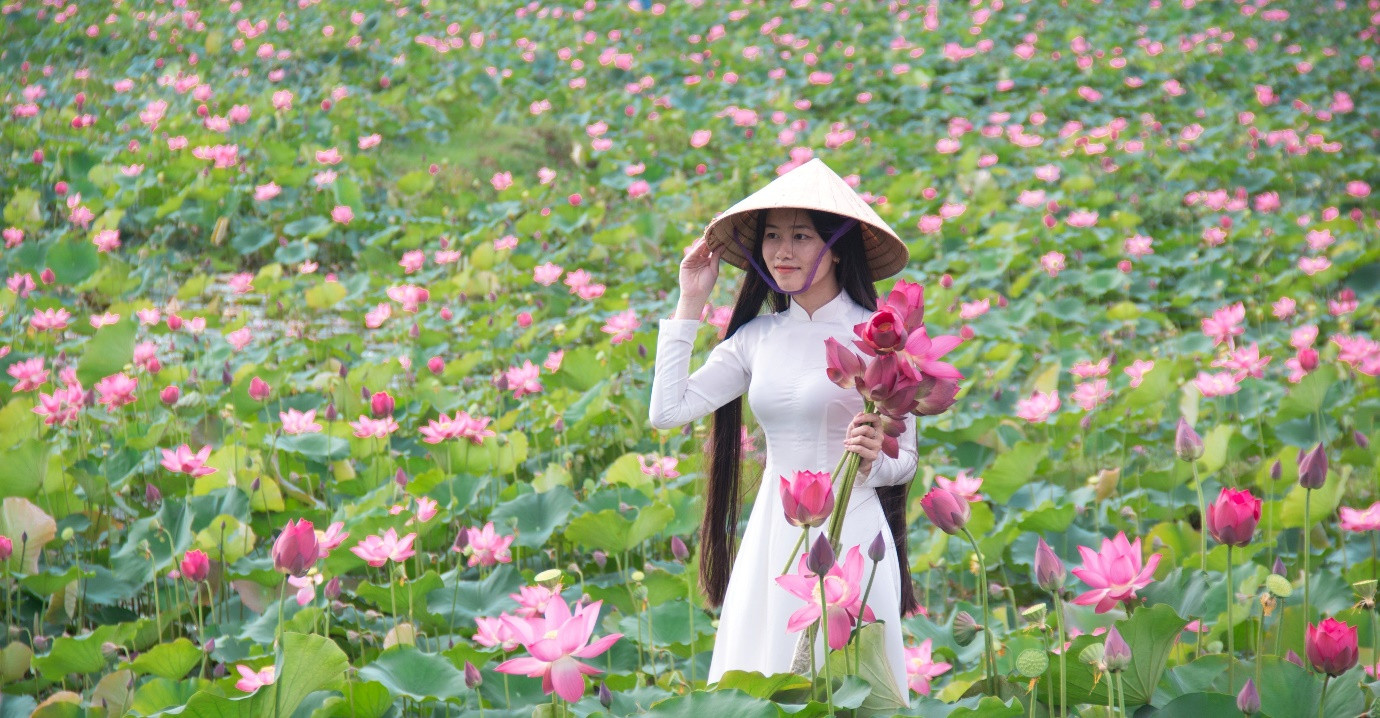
point(327, 337)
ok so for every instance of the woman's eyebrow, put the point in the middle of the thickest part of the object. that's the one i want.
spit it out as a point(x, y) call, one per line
point(794, 226)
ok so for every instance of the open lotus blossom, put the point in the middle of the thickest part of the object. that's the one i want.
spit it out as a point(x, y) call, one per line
point(306, 586)
point(251, 680)
point(332, 537)
point(29, 373)
point(661, 467)
point(380, 549)
point(921, 667)
point(494, 632)
point(183, 461)
point(62, 406)
point(1114, 573)
point(1358, 520)
point(962, 484)
point(486, 547)
point(297, 422)
point(1038, 406)
point(554, 642)
point(533, 599)
point(842, 588)
point(116, 390)
point(367, 428)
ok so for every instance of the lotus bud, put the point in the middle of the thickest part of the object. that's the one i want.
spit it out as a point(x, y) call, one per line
point(821, 556)
point(436, 365)
point(259, 389)
point(331, 413)
point(47, 276)
point(1293, 658)
point(679, 549)
point(1248, 700)
point(1278, 568)
point(1308, 359)
point(600, 558)
point(472, 677)
point(1116, 654)
point(605, 695)
point(255, 484)
point(400, 478)
point(218, 671)
point(1313, 468)
point(1361, 440)
point(947, 510)
point(6, 548)
point(210, 646)
point(965, 628)
point(381, 404)
point(877, 549)
point(151, 494)
point(332, 590)
point(296, 548)
point(1049, 569)
point(1187, 444)
point(170, 394)
point(41, 643)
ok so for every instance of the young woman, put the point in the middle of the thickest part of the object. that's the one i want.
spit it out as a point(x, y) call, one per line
point(815, 249)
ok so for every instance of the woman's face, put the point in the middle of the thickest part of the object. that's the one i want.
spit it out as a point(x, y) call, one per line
point(790, 245)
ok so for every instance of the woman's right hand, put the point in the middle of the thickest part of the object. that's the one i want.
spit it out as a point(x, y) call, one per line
point(699, 270)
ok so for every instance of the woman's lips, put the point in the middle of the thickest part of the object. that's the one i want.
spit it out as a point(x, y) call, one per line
point(786, 270)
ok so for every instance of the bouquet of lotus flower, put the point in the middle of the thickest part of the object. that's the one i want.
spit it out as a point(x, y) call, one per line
point(900, 372)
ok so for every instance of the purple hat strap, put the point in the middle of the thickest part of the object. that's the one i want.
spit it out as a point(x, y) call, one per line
point(809, 279)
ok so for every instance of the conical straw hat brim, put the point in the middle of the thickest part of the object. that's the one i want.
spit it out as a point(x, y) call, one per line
point(812, 185)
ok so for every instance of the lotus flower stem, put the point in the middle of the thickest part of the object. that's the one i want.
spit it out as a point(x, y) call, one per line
point(1063, 659)
point(857, 629)
point(848, 465)
point(804, 533)
point(824, 629)
point(278, 644)
point(989, 655)
point(1307, 538)
point(1322, 697)
point(1231, 650)
point(1121, 693)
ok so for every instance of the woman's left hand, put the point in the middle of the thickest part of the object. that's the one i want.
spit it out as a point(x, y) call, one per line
point(864, 438)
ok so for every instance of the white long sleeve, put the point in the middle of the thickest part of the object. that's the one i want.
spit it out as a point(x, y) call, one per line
point(679, 397)
point(887, 471)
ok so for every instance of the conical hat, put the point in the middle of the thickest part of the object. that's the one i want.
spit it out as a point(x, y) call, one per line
point(812, 185)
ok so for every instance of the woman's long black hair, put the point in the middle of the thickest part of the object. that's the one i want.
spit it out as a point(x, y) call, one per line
point(719, 529)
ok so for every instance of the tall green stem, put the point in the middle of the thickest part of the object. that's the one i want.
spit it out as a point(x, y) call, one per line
point(1322, 697)
point(1063, 660)
point(824, 628)
point(1307, 549)
point(804, 531)
point(281, 656)
point(990, 656)
point(1231, 637)
point(849, 468)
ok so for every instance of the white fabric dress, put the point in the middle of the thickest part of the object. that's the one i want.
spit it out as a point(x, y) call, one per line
point(778, 360)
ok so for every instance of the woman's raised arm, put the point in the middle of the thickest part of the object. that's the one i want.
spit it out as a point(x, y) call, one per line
point(679, 397)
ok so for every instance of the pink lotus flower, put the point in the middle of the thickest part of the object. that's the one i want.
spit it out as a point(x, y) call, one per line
point(50, 319)
point(63, 405)
point(502, 180)
point(29, 373)
point(296, 422)
point(1232, 518)
point(426, 509)
point(663, 467)
point(963, 485)
point(807, 498)
point(921, 667)
point(523, 380)
point(306, 587)
point(1218, 384)
point(533, 599)
point(1137, 371)
point(553, 360)
point(923, 354)
point(259, 389)
point(251, 680)
point(494, 632)
point(296, 549)
point(1225, 323)
point(1090, 394)
point(195, 566)
point(1038, 406)
point(842, 596)
point(367, 428)
point(342, 214)
point(555, 641)
point(486, 547)
point(546, 274)
point(622, 326)
point(883, 332)
point(1361, 520)
point(332, 537)
point(1331, 646)
point(378, 550)
point(1114, 573)
point(183, 461)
